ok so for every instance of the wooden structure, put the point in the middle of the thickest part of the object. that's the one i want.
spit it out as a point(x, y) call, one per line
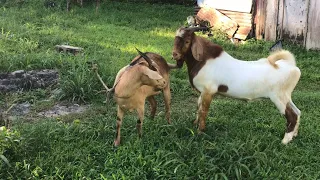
point(217, 19)
point(244, 21)
point(294, 20)
point(233, 17)
point(297, 21)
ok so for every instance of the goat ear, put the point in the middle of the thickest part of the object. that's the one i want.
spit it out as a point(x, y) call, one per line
point(152, 74)
point(197, 48)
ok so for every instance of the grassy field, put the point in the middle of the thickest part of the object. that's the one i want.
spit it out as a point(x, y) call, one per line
point(242, 139)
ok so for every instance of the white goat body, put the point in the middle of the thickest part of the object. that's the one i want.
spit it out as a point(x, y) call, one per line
point(248, 79)
point(213, 71)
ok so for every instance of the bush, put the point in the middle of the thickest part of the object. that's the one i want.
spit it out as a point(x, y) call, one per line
point(9, 141)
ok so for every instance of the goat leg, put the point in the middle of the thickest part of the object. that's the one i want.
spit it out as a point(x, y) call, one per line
point(195, 122)
point(153, 105)
point(120, 114)
point(167, 101)
point(140, 120)
point(205, 101)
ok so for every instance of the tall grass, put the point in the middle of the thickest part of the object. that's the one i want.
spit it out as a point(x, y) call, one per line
point(242, 139)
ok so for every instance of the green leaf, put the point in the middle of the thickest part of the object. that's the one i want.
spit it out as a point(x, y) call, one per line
point(5, 160)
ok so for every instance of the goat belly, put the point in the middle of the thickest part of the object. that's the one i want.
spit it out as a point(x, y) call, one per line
point(126, 104)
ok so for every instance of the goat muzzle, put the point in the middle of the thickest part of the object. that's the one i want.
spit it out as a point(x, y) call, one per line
point(176, 56)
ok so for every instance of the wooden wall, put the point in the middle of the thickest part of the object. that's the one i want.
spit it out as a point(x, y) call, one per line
point(271, 19)
point(313, 32)
point(294, 20)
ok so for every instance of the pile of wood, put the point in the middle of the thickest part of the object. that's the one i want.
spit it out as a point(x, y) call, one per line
point(236, 24)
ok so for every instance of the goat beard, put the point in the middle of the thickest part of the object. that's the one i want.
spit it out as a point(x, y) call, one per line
point(157, 89)
point(180, 63)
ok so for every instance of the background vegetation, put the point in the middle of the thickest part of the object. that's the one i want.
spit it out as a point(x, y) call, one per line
point(242, 140)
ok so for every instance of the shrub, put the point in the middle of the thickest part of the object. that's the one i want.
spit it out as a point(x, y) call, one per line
point(9, 141)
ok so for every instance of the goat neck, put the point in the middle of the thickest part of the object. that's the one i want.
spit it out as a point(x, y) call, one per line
point(198, 53)
point(129, 83)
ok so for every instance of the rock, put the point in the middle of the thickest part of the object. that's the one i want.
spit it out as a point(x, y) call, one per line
point(26, 80)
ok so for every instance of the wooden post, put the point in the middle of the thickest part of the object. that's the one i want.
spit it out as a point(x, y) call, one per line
point(260, 18)
point(271, 20)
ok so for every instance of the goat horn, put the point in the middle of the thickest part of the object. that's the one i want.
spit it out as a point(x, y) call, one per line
point(150, 62)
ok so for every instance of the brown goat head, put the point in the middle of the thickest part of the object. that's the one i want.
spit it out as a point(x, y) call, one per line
point(152, 78)
point(182, 43)
point(186, 42)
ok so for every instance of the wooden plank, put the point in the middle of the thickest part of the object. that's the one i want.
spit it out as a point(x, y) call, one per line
point(218, 20)
point(260, 18)
point(236, 14)
point(292, 20)
point(244, 21)
point(242, 32)
point(271, 20)
point(243, 18)
point(313, 34)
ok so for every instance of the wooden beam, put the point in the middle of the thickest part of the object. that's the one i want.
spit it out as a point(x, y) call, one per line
point(271, 20)
point(260, 18)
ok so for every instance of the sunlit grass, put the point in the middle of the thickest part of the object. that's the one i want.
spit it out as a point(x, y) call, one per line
point(242, 139)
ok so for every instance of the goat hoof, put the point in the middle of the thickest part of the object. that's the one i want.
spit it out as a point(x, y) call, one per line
point(195, 122)
point(200, 132)
point(139, 135)
point(287, 138)
point(116, 143)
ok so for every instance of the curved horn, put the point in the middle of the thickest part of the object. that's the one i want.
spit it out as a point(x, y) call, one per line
point(150, 62)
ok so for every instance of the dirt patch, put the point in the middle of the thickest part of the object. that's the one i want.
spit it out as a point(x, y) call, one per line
point(61, 110)
point(24, 109)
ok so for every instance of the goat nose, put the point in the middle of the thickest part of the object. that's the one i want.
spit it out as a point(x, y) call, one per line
point(174, 54)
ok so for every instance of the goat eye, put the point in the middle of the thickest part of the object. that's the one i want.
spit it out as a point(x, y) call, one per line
point(187, 42)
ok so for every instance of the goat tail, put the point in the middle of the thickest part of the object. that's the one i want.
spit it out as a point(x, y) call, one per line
point(281, 55)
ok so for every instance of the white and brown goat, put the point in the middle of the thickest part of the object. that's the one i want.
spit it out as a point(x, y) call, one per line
point(146, 76)
point(213, 71)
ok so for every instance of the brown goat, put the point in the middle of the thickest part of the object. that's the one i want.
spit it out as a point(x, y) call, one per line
point(145, 77)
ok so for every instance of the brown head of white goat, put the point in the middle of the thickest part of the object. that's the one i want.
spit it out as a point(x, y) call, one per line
point(213, 71)
point(146, 76)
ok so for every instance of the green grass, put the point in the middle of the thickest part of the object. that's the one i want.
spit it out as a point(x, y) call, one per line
point(242, 139)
